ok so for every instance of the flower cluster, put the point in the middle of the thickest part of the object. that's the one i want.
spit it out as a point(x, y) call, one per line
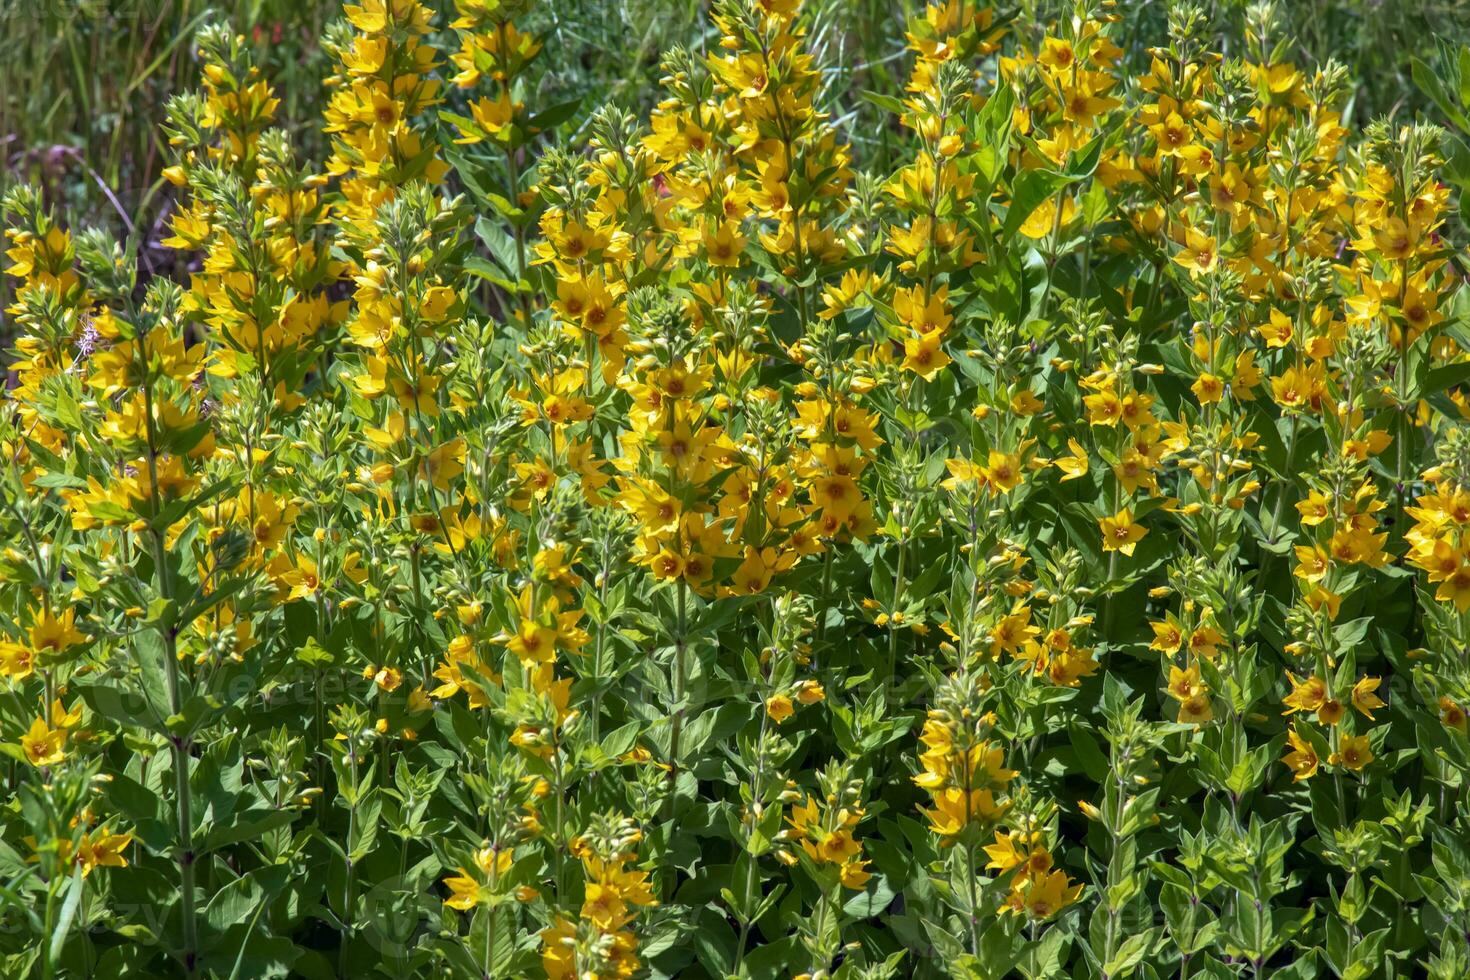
point(1029, 539)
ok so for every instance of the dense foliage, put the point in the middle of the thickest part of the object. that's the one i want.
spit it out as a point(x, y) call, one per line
point(1015, 528)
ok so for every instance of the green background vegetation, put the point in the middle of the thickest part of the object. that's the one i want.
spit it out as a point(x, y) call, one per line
point(83, 83)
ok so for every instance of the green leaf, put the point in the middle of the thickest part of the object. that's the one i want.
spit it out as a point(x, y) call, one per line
point(502, 247)
point(247, 825)
point(1094, 761)
point(1429, 83)
point(554, 116)
point(364, 834)
point(143, 707)
point(68, 913)
point(236, 901)
point(621, 740)
point(888, 103)
point(1129, 955)
point(312, 654)
point(873, 900)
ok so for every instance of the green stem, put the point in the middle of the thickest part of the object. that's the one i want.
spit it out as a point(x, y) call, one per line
point(599, 668)
point(826, 591)
point(1280, 508)
point(48, 967)
point(681, 682)
point(522, 298)
point(898, 586)
point(178, 744)
point(756, 778)
point(974, 910)
point(349, 887)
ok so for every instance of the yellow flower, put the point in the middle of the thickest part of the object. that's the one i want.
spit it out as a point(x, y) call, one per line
point(1075, 465)
point(301, 578)
point(1302, 760)
point(923, 355)
point(52, 636)
point(533, 643)
point(104, 850)
point(1208, 388)
point(853, 874)
point(1168, 635)
point(1306, 695)
point(17, 661)
point(779, 707)
point(491, 116)
point(1003, 471)
point(723, 244)
point(1196, 710)
point(1352, 752)
point(1103, 408)
point(464, 891)
point(809, 692)
point(1199, 253)
point(559, 951)
point(1119, 533)
point(1004, 854)
point(1046, 895)
point(1364, 698)
point(44, 745)
point(954, 810)
point(1185, 684)
point(1040, 222)
point(1452, 715)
